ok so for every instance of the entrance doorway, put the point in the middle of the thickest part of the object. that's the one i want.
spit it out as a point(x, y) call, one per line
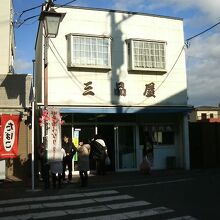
point(120, 141)
point(126, 158)
point(107, 133)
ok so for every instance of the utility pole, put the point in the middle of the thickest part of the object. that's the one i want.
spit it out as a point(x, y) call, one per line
point(50, 21)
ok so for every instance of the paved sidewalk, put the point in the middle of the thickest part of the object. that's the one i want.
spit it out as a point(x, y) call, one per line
point(14, 188)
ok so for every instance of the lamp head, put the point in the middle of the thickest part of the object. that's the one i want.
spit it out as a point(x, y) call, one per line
point(51, 20)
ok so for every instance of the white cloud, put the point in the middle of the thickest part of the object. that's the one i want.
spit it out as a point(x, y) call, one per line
point(203, 70)
point(23, 66)
point(208, 8)
point(126, 5)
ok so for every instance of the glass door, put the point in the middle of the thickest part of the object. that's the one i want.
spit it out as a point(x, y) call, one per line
point(125, 148)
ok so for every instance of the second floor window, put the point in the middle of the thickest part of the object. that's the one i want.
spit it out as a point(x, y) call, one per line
point(146, 55)
point(89, 51)
point(203, 116)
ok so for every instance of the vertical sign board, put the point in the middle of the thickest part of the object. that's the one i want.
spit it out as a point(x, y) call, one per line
point(76, 141)
point(9, 134)
point(54, 135)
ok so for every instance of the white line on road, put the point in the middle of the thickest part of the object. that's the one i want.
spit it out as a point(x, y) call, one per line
point(64, 203)
point(129, 215)
point(85, 210)
point(52, 198)
point(183, 218)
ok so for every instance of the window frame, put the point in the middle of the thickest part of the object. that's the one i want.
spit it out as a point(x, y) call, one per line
point(158, 131)
point(131, 55)
point(70, 62)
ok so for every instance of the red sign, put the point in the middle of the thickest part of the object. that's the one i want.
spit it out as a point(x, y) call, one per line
point(9, 134)
point(214, 120)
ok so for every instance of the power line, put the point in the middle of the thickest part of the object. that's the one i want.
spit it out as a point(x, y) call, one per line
point(29, 18)
point(78, 83)
point(20, 23)
point(171, 68)
point(30, 9)
point(65, 4)
point(206, 30)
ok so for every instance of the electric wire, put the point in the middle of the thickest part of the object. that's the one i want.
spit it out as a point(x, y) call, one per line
point(186, 41)
point(177, 59)
point(36, 20)
point(29, 18)
point(196, 35)
point(156, 89)
point(171, 68)
point(30, 9)
point(80, 84)
point(57, 54)
point(60, 6)
point(20, 23)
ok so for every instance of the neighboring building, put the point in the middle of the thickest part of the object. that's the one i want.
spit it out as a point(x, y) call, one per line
point(7, 45)
point(120, 74)
point(205, 113)
point(15, 92)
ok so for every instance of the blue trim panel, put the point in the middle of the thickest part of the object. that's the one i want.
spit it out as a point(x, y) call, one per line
point(126, 110)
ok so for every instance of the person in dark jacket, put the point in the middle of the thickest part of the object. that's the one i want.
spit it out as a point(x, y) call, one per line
point(99, 152)
point(148, 150)
point(69, 149)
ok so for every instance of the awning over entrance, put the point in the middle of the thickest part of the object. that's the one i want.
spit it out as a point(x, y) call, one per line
point(128, 110)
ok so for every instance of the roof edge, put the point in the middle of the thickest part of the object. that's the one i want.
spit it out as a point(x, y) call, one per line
point(119, 11)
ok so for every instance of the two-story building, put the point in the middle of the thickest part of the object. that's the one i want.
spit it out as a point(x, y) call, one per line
point(122, 75)
point(205, 113)
point(15, 91)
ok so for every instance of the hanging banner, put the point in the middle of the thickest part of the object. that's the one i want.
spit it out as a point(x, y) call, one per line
point(54, 135)
point(9, 133)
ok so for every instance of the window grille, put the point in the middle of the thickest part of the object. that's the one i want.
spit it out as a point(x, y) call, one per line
point(90, 51)
point(147, 55)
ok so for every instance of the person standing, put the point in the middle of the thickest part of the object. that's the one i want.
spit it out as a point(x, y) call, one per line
point(44, 165)
point(70, 151)
point(83, 162)
point(99, 154)
point(41, 156)
point(56, 168)
point(148, 153)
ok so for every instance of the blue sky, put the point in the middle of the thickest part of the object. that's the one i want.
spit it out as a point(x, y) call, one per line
point(202, 57)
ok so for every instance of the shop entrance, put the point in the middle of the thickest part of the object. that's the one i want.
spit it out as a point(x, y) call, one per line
point(107, 133)
point(126, 158)
point(120, 141)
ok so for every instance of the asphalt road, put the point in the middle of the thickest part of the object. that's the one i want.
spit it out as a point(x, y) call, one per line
point(122, 196)
point(197, 196)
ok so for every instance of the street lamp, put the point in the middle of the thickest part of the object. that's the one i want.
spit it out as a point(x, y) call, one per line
point(51, 21)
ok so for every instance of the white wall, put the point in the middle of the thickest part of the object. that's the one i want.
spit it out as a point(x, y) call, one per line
point(2, 169)
point(6, 36)
point(66, 87)
point(199, 114)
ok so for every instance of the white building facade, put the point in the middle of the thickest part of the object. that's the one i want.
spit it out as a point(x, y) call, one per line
point(7, 46)
point(119, 74)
